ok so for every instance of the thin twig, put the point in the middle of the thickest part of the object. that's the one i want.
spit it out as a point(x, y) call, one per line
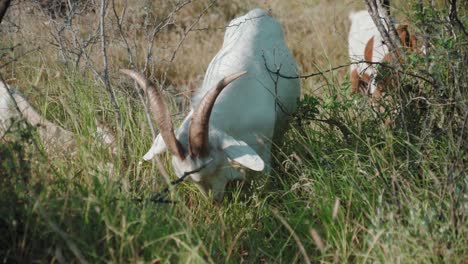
point(189, 29)
point(64, 236)
point(106, 68)
point(157, 28)
point(18, 57)
point(228, 26)
point(377, 13)
point(119, 26)
point(453, 17)
point(4, 4)
point(306, 76)
point(161, 197)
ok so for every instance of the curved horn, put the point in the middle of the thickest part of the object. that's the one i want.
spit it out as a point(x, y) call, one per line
point(49, 131)
point(198, 131)
point(160, 112)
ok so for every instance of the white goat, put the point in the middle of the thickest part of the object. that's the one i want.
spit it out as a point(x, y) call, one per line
point(14, 106)
point(11, 101)
point(241, 123)
point(366, 44)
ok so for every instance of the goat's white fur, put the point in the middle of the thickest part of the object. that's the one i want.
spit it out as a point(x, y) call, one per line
point(251, 113)
point(11, 101)
point(51, 134)
point(362, 29)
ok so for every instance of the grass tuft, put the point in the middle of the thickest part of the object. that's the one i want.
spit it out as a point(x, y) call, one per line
point(345, 187)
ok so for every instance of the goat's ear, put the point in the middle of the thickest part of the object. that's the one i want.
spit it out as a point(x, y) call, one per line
point(369, 49)
point(158, 147)
point(241, 153)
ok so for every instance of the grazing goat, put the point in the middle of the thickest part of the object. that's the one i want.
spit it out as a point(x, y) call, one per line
point(235, 127)
point(366, 44)
point(11, 101)
point(14, 106)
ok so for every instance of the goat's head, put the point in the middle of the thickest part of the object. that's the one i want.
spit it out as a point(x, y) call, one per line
point(196, 146)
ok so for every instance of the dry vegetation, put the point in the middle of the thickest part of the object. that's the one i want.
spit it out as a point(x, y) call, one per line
point(352, 192)
point(316, 31)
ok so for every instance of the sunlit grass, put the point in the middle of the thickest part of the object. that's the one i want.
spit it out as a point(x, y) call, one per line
point(375, 196)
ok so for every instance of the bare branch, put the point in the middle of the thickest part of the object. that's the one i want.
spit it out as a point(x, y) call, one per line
point(387, 65)
point(394, 38)
point(453, 17)
point(20, 56)
point(378, 12)
point(293, 234)
point(157, 28)
point(186, 32)
point(121, 32)
point(106, 69)
point(4, 4)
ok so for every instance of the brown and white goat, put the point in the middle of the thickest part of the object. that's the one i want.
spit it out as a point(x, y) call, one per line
point(368, 53)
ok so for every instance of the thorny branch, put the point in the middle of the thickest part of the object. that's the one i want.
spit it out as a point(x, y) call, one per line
point(344, 130)
point(274, 76)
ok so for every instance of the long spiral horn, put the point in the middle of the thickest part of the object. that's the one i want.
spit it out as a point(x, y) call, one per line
point(160, 112)
point(198, 131)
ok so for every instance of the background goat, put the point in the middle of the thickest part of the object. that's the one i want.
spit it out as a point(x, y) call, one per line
point(13, 105)
point(366, 44)
point(241, 123)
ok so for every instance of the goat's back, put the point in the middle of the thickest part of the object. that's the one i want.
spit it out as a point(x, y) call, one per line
point(260, 102)
point(361, 31)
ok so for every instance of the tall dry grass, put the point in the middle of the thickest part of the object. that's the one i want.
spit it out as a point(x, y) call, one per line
point(316, 31)
point(372, 197)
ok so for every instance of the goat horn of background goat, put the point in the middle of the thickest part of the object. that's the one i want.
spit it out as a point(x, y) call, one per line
point(198, 131)
point(51, 130)
point(160, 112)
